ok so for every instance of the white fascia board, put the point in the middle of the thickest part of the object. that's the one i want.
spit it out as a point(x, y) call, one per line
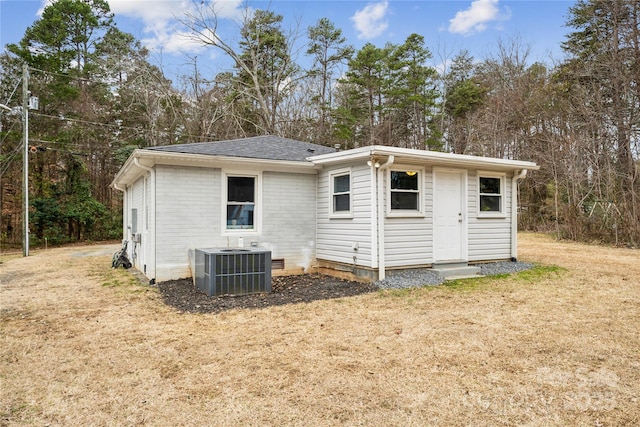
point(204, 160)
point(431, 157)
point(343, 156)
point(149, 158)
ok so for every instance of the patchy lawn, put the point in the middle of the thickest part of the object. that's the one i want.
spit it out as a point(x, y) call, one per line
point(82, 344)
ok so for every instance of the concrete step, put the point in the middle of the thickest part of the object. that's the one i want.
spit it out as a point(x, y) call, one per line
point(450, 264)
point(456, 271)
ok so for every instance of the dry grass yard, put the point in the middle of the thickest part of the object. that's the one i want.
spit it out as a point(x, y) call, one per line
point(84, 345)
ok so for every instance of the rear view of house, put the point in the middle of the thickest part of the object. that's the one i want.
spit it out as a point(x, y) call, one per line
point(359, 212)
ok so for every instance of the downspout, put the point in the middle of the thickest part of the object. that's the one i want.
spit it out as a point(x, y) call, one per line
point(124, 208)
point(374, 215)
point(517, 175)
point(145, 213)
point(381, 211)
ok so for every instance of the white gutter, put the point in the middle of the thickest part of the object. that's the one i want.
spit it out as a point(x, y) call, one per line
point(431, 157)
point(517, 175)
point(380, 216)
point(141, 166)
point(128, 174)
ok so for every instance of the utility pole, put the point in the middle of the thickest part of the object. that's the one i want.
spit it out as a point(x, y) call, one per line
point(25, 166)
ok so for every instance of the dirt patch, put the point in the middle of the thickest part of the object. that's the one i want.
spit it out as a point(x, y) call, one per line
point(184, 296)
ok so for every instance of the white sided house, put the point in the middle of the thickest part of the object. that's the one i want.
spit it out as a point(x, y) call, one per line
point(358, 212)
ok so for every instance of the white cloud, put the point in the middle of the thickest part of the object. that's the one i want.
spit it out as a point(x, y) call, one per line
point(162, 28)
point(162, 24)
point(476, 17)
point(370, 22)
point(152, 11)
point(45, 3)
point(172, 42)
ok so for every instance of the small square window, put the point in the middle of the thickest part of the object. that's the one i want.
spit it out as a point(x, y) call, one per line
point(490, 194)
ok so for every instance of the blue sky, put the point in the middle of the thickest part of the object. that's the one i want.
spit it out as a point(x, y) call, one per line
point(447, 25)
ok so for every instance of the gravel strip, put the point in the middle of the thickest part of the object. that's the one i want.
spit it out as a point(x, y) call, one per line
point(505, 267)
point(400, 279)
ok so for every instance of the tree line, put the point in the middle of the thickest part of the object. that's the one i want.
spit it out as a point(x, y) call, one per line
point(101, 98)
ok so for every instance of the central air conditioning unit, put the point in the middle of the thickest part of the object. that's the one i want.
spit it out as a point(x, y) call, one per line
point(233, 271)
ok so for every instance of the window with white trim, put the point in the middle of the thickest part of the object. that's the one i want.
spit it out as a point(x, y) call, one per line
point(404, 190)
point(490, 194)
point(340, 182)
point(241, 202)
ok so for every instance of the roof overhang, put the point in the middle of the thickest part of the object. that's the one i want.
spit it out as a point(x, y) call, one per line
point(141, 160)
point(434, 158)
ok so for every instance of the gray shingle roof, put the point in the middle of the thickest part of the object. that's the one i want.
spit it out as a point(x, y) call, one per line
point(257, 147)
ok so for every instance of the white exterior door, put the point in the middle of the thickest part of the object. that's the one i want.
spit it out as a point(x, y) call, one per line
point(449, 216)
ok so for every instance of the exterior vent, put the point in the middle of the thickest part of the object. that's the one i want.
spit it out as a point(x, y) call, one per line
point(233, 271)
point(277, 264)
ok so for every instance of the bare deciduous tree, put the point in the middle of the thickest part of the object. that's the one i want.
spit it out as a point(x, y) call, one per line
point(263, 59)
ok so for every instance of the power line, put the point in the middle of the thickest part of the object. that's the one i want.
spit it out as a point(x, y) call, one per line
point(82, 79)
point(89, 80)
point(53, 73)
point(8, 132)
point(111, 125)
point(68, 119)
point(13, 92)
point(158, 132)
point(7, 162)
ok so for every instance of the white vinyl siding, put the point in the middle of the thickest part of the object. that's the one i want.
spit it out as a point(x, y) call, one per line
point(337, 236)
point(489, 238)
point(409, 240)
